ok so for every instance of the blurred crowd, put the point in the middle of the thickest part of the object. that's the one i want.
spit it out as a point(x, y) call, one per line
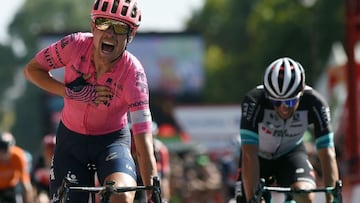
point(24, 176)
point(202, 177)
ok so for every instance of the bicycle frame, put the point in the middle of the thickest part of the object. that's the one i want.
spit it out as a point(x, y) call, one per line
point(106, 191)
point(335, 191)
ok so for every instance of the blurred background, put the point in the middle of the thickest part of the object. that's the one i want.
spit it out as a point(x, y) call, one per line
point(201, 57)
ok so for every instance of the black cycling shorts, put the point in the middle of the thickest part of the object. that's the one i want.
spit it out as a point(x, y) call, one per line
point(8, 195)
point(78, 156)
point(289, 168)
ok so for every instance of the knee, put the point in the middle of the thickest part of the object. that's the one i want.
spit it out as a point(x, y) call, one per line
point(305, 197)
point(122, 180)
point(308, 198)
point(125, 197)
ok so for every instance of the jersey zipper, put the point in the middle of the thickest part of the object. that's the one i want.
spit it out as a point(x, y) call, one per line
point(85, 118)
point(86, 113)
point(281, 138)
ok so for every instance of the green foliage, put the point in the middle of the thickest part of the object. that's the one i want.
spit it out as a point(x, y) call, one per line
point(38, 17)
point(43, 16)
point(249, 34)
point(7, 64)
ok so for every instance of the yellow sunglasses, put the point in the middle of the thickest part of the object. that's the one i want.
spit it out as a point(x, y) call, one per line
point(119, 27)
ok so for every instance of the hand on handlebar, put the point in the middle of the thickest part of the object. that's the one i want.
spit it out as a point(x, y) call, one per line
point(155, 195)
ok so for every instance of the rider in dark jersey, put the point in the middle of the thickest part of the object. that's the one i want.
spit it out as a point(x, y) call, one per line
point(275, 116)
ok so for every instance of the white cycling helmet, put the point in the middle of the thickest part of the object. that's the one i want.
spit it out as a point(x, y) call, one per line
point(284, 78)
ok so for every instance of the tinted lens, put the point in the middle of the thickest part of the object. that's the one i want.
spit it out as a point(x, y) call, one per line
point(289, 103)
point(121, 29)
point(276, 103)
point(104, 24)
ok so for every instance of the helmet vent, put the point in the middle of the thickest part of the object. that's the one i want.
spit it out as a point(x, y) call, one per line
point(104, 6)
point(124, 10)
point(133, 13)
point(115, 6)
point(96, 5)
point(284, 78)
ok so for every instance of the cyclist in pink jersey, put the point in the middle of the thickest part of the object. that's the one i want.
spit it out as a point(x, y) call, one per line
point(102, 83)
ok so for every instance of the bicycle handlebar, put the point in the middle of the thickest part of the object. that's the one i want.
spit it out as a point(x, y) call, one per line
point(115, 189)
point(261, 188)
point(329, 190)
point(108, 189)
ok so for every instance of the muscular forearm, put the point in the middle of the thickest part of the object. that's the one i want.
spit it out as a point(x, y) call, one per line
point(329, 168)
point(147, 168)
point(147, 165)
point(41, 78)
point(145, 157)
point(250, 170)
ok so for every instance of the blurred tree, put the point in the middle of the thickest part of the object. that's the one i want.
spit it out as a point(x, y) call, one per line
point(42, 16)
point(243, 37)
point(38, 17)
point(8, 69)
point(7, 63)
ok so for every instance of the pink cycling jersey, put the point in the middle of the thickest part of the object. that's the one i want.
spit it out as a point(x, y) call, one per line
point(127, 81)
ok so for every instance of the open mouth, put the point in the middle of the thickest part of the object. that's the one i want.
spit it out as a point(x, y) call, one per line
point(107, 47)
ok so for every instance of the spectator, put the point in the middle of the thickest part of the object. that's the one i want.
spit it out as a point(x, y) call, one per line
point(202, 180)
point(41, 173)
point(163, 164)
point(14, 170)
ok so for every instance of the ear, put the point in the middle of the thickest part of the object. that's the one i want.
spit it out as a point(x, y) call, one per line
point(131, 36)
